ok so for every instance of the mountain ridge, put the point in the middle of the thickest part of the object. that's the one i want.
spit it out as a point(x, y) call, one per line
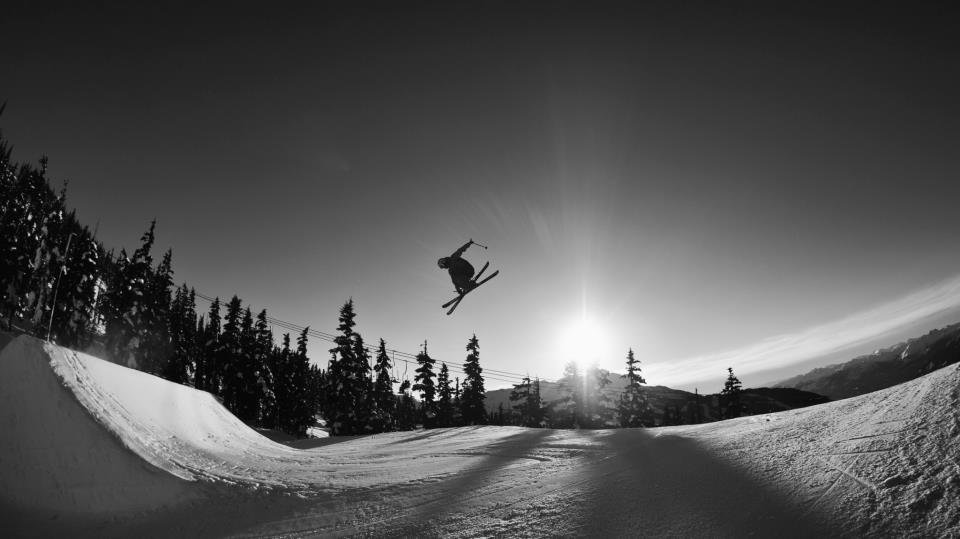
point(884, 367)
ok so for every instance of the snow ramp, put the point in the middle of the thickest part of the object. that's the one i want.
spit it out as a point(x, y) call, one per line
point(83, 436)
point(86, 436)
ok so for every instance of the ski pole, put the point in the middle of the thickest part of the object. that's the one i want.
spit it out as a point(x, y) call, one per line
point(479, 245)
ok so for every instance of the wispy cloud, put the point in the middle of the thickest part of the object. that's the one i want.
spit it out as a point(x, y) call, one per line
point(783, 350)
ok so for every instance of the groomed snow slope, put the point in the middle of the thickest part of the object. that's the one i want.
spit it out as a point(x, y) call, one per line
point(96, 449)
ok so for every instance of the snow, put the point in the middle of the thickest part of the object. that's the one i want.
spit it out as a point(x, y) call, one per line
point(90, 448)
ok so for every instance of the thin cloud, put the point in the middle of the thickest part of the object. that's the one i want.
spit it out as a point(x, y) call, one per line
point(784, 350)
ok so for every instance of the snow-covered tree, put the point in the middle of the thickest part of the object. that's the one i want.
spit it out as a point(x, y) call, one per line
point(281, 366)
point(265, 383)
point(230, 358)
point(302, 410)
point(206, 377)
point(183, 337)
point(348, 384)
point(135, 307)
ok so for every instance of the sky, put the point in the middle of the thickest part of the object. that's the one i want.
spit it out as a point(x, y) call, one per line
point(763, 186)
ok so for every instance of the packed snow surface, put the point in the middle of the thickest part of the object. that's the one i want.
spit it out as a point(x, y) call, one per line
point(90, 448)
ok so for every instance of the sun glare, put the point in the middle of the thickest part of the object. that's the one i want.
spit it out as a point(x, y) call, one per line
point(581, 340)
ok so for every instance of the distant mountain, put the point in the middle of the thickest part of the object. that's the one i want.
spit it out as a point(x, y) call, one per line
point(755, 400)
point(883, 368)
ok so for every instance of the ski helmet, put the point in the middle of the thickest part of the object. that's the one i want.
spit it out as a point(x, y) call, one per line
point(443, 262)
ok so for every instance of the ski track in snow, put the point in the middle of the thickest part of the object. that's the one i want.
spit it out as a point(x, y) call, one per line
point(94, 449)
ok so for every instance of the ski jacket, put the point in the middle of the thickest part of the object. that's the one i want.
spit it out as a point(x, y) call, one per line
point(459, 269)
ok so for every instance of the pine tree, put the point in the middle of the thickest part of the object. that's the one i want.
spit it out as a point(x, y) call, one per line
point(265, 380)
point(536, 409)
point(425, 384)
point(529, 407)
point(247, 374)
point(730, 396)
point(457, 404)
point(383, 397)
point(406, 414)
point(129, 305)
point(183, 338)
point(281, 363)
point(633, 408)
point(444, 398)
point(471, 401)
point(155, 345)
point(206, 377)
point(571, 409)
point(598, 404)
point(50, 265)
point(519, 400)
point(301, 409)
point(348, 383)
point(229, 359)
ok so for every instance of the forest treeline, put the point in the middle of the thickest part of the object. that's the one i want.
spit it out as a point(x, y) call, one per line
point(58, 282)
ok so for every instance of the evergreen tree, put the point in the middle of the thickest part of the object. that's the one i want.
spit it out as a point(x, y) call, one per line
point(536, 409)
point(206, 377)
point(570, 410)
point(384, 401)
point(457, 404)
point(633, 408)
point(425, 384)
point(248, 398)
point(265, 380)
point(155, 344)
point(406, 414)
point(444, 398)
point(183, 338)
point(598, 403)
point(131, 306)
point(230, 358)
point(50, 266)
point(730, 396)
point(347, 402)
point(281, 361)
point(471, 401)
point(519, 398)
point(528, 407)
point(302, 410)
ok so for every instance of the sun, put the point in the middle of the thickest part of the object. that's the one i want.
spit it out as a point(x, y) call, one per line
point(582, 339)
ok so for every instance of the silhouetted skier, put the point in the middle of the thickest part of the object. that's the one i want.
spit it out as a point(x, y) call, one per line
point(462, 274)
point(461, 271)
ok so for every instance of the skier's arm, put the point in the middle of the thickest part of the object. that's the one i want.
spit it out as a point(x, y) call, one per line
point(461, 250)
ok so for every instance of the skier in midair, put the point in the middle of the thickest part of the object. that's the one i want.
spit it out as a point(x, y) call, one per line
point(461, 271)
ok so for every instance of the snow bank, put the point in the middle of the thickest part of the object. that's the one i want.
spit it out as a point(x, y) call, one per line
point(54, 454)
point(86, 435)
point(884, 464)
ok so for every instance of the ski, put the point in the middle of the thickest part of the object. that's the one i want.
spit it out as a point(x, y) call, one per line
point(479, 273)
point(456, 301)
